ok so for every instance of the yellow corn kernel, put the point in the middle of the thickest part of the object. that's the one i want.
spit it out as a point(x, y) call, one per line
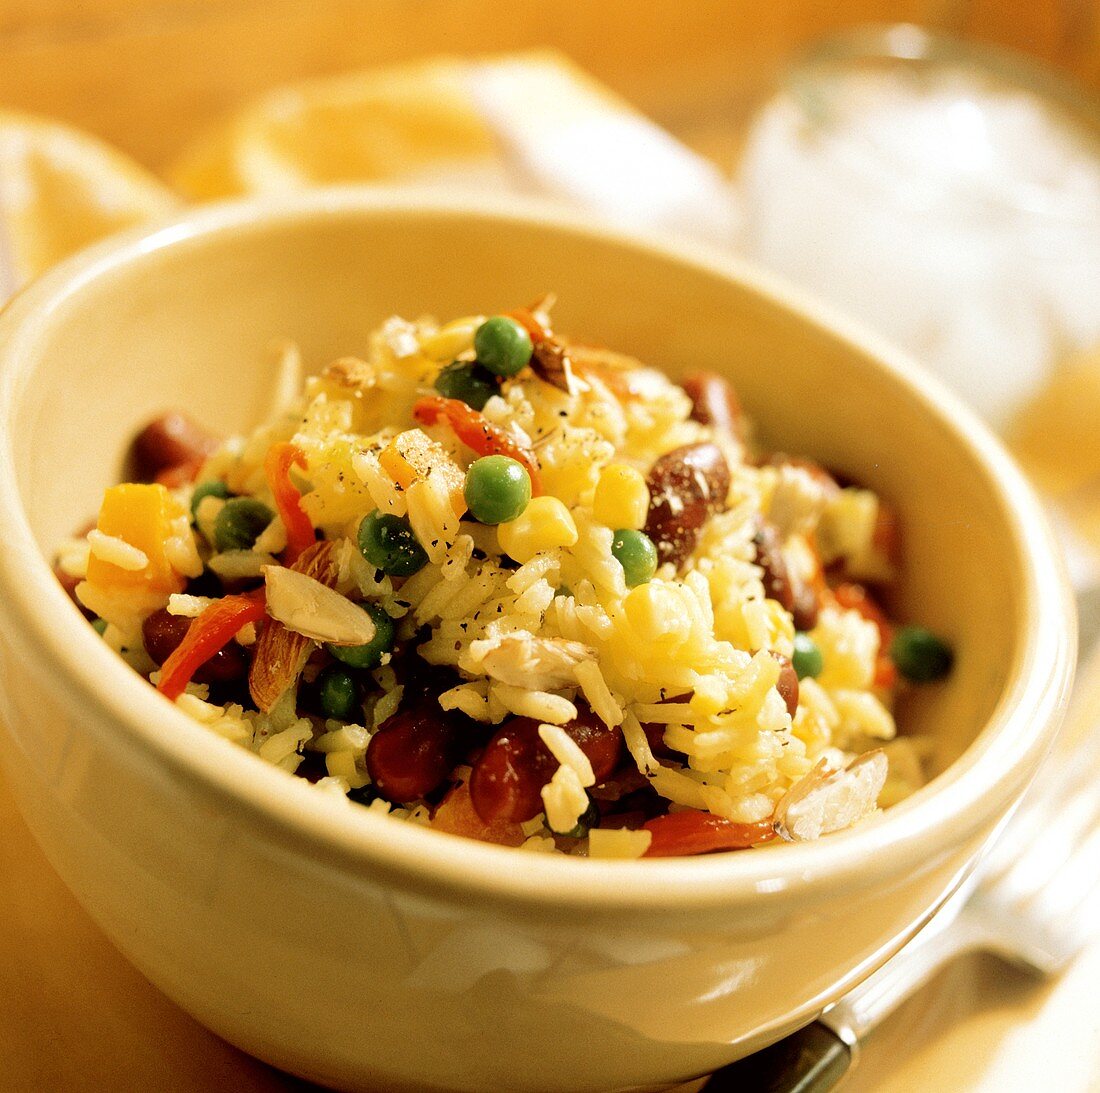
point(656, 612)
point(452, 339)
point(544, 524)
point(622, 497)
point(570, 478)
point(142, 516)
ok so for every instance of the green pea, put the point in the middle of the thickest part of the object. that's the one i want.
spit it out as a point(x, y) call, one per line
point(212, 488)
point(635, 552)
point(99, 626)
point(807, 659)
point(364, 795)
point(497, 489)
point(920, 655)
point(390, 544)
point(589, 819)
point(502, 345)
point(371, 654)
point(339, 693)
point(239, 523)
point(468, 382)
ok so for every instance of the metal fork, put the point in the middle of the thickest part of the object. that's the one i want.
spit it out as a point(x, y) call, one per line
point(1033, 900)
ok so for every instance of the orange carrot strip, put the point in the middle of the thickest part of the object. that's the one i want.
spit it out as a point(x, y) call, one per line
point(679, 834)
point(477, 432)
point(288, 499)
point(527, 320)
point(211, 631)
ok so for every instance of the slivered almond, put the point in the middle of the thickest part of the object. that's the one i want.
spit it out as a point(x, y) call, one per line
point(550, 361)
point(280, 654)
point(350, 372)
point(827, 800)
point(305, 605)
point(522, 660)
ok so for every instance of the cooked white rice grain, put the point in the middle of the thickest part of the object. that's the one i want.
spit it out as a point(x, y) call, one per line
point(564, 800)
point(567, 752)
point(188, 607)
point(116, 551)
point(238, 565)
point(597, 693)
point(72, 557)
point(538, 705)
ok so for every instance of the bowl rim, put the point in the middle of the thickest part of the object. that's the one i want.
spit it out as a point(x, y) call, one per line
point(66, 655)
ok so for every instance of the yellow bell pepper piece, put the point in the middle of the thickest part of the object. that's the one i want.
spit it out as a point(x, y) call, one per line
point(142, 516)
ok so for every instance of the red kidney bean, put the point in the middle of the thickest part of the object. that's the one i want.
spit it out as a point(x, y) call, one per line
point(686, 486)
point(714, 402)
point(655, 737)
point(507, 780)
point(792, 595)
point(179, 475)
point(415, 750)
point(806, 606)
point(787, 683)
point(775, 576)
point(168, 442)
point(162, 632)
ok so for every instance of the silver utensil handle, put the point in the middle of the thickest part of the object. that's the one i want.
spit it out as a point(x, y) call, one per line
point(816, 1057)
point(943, 940)
point(811, 1060)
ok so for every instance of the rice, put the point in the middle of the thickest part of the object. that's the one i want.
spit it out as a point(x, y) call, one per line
point(687, 670)
point(110, 548)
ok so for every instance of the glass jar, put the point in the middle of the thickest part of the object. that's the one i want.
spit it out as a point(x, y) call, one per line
point(946, 193)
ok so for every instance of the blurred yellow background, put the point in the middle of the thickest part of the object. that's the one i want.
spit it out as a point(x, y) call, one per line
point(148, 75)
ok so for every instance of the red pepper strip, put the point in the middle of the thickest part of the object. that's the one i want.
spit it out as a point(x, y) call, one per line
point(211, 631)
point(288, 500)
point(679, 834)
point(527, 320)
point(476, 432)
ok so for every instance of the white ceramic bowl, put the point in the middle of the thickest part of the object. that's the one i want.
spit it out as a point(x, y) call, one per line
point(365, 953)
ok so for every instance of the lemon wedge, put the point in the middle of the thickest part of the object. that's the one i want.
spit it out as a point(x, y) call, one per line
point(60, 190)
point(393, 123)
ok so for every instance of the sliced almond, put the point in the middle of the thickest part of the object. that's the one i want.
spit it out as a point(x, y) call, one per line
point(550, 362)
point(827, 800)
point(522, 660)
point(350, 372)
point(308, 607)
